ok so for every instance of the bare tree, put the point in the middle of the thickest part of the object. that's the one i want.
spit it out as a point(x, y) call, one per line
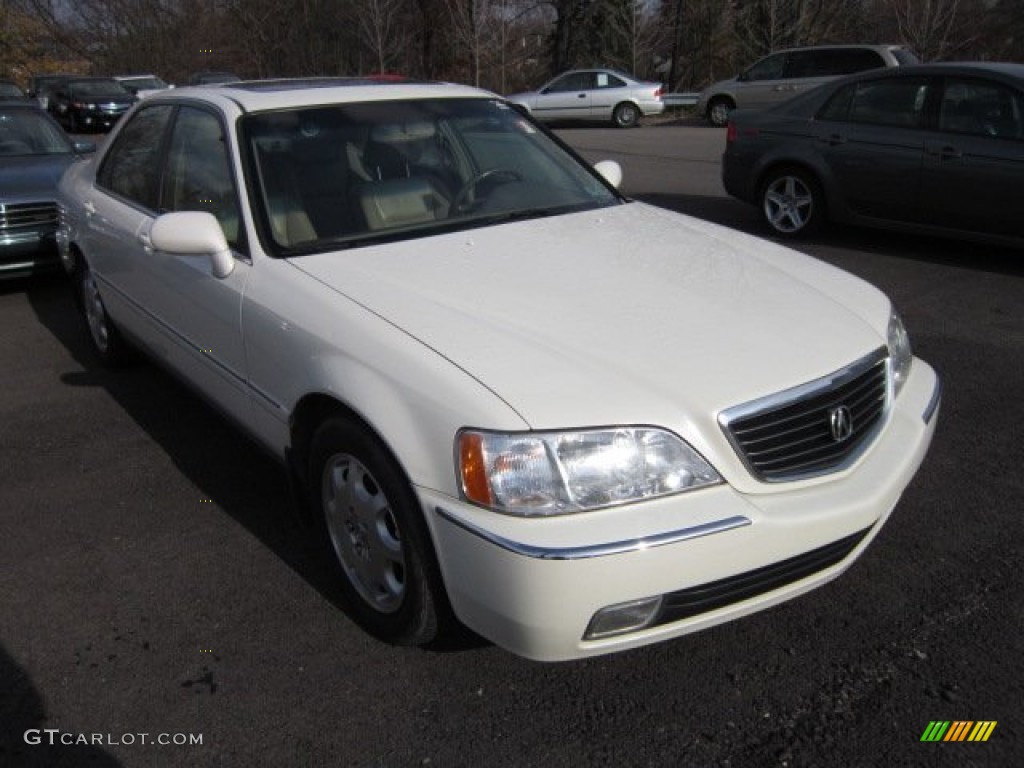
point(933, 28)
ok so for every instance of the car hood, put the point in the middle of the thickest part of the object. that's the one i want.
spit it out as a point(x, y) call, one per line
point(32, 177)
point(629, 314)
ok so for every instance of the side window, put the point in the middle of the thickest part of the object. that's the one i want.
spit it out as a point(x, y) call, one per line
point(606, 80)
point(837, 108)
point(131, 169)
point(806, 64)
point(845, 61)
point(892, 101)
point(769, 68)
point(577, 81)
point(198, 176)
point(981, 108)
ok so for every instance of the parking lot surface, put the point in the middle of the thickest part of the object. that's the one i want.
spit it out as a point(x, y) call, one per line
point(160, 605)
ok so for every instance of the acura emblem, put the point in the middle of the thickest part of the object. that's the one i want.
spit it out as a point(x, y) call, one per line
point(840, 422)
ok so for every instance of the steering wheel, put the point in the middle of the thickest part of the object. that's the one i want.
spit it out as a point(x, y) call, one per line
point(464, 197)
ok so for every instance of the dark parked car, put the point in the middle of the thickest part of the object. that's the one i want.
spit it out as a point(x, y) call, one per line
point(40, 86)
point(89, 103)
point(34, 152)
point(933, 148)
point(10, 90)
point(213, 78)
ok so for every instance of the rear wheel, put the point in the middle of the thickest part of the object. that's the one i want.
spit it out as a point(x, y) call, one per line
point(718, 111)
point(377, 534)
point(792, 202)
point(626, 115)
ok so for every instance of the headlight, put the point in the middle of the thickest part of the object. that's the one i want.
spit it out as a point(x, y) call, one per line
point(900, 354)
point(556, 473)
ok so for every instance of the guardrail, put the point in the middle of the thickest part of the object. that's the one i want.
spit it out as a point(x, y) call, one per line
point(679, 99)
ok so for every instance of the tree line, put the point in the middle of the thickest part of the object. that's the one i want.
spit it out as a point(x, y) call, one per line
point(501, 45)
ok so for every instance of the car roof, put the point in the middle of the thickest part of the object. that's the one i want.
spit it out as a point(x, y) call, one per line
point(264, 95)
point(871, 46)
point(1005, 68)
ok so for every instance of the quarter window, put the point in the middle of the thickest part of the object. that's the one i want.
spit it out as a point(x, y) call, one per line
point(131, 169)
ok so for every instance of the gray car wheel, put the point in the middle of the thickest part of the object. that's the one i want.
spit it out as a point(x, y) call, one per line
point(106, 341)
point(626, 115)
point(792, 202)
point(718, 112)
point(377, 534)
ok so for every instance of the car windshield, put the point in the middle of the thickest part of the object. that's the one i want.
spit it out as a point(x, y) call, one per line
point(88, 89)
point(27, 132)
point(350, 174)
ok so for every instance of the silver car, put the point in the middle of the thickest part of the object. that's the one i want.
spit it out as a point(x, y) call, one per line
point(594, 95)
point(784, 74)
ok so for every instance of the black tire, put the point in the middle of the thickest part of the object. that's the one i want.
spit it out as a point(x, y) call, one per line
point(718, 111)
point(626, 115)
point(106, 340)
point(376, 532)
point(792, 202)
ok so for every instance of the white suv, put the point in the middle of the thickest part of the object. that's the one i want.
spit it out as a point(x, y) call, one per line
point(783, 74)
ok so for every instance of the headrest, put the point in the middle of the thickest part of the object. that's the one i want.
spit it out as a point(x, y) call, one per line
point(400, 133)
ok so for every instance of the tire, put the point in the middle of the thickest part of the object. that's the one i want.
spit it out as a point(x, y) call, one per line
point(626, 115)
point(792, 202)
point(375, 530)
point(106, 341)
point(718, 111)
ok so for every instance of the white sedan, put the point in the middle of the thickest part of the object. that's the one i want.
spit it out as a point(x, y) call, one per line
point(507, 394)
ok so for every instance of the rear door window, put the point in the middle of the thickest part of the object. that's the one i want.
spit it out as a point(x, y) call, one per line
point(891, 101)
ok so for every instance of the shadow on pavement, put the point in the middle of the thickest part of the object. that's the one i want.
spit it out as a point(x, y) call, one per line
point(211, 452)
point(23, 737)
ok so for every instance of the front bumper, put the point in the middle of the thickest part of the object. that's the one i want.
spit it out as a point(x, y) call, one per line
point(27, 253)
point(533, 586)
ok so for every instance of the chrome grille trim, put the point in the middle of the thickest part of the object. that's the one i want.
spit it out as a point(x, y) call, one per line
point(15, 216)
point(787, 436)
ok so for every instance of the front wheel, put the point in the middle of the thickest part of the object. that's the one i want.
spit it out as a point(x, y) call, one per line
point(106, 340)
point(376, 531)
point(626, 115)
point(792, 202)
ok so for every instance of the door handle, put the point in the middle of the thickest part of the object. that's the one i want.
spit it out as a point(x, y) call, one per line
point(834, 140)
point(581, 95)
point(945, 153)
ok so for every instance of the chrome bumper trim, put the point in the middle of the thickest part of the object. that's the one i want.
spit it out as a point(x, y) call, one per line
point(597, 550)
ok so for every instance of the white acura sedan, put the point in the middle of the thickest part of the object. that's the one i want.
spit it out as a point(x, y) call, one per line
point(508, 395)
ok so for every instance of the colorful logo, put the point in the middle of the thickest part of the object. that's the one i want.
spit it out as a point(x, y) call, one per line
point(958, 730)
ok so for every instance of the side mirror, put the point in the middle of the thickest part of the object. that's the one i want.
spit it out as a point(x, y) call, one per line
point(611, 171)
point(193, 233)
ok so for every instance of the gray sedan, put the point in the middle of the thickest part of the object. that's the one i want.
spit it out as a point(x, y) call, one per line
point(34, 152)
point(596, 95)
point(933, 148)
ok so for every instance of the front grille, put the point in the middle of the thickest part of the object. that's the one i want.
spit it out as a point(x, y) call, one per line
point(17, 216)
point(800, 433)
point(718, 594)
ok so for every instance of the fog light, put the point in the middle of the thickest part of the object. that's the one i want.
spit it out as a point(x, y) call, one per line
point(623, 617)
